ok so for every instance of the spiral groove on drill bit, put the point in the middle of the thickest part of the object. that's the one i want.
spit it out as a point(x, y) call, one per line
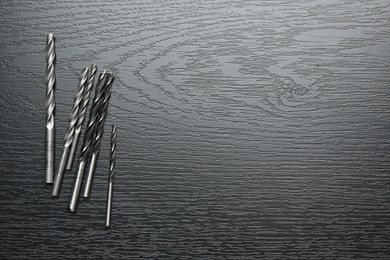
point(75, 109)
point(50, 78)
point(112, 153)
point(87, 93)
point(81, 115)
point(93, 117)
point(102, 113)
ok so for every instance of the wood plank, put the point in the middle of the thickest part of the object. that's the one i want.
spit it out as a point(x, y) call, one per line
point(246, 130)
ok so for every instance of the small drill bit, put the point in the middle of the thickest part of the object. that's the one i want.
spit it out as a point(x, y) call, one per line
point(111, 175)
point(81, 115)
point(98, 134)
point(69, 134)
point(88, 137)
point(50, 107)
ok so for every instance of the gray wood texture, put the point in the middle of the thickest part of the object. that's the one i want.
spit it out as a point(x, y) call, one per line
point(246, 129)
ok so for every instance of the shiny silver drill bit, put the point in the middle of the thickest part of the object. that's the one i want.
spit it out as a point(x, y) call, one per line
point(88, 137)
point(98, 134)
point(50, 107)
point(69, 134)
point(81, 115)
point(111, 175)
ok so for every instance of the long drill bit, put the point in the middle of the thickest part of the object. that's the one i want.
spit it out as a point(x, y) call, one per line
point(111, 175)
point(98, 134)
point(50, 107)
point(69, 134)
point(88, 137)
point(81, 116)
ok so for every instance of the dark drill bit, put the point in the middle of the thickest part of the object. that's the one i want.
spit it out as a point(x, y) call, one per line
point(88, 137)
point(98, 134)
point(50, 107)
point(69, 134)
point(81, 115)
point(111, 175)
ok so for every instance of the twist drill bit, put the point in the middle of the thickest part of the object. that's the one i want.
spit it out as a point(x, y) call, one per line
point(50, 107)
point(81, 115)
point(98, 134)
point(88, 137)
point(111, 175)
point(69, 134)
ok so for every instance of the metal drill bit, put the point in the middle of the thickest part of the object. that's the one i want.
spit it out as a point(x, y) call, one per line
point(69, 134)
point(98, 134)
point(81, 115)
point(50, 107)
point(88, 137)
point(111, 175)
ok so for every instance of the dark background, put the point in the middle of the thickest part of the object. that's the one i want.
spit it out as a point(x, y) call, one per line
point(246, 129)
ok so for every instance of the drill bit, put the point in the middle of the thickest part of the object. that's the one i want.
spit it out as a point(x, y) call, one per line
point(69, 134)
point(81, 115)
point(88, 137)
point(98, 133)
point(50, 107)
point(111, 175)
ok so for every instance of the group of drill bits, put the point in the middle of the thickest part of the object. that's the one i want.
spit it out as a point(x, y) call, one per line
point(93, 133)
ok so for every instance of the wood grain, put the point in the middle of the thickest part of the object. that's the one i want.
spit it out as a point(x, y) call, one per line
point(246, 129)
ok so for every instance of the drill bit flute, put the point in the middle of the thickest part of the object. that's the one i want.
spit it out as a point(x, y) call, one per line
point(81, 116)
point(50, 107)
point(98, 134)
point(88, 137)
point(69, 134)
point(111, 175)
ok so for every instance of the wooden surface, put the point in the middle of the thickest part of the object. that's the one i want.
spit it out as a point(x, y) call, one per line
point(246, 129)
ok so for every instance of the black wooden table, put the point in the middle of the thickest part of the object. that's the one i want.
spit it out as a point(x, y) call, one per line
point(246, 129)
